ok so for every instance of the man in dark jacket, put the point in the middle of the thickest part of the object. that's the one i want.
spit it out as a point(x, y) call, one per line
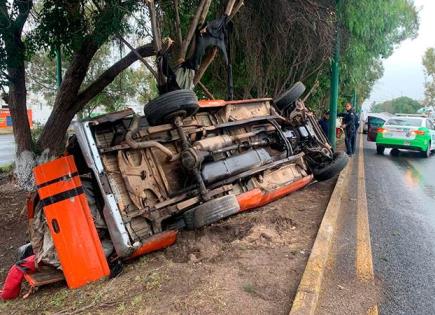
point(323, 122)
point(350, 122)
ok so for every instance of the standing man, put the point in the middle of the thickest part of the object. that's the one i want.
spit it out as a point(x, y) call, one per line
point(323, 122)
point(350, 120)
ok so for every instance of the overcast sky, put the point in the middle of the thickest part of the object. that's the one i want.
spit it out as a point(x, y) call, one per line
point(403, 74)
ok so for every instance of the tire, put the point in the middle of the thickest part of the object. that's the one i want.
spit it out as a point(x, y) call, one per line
point(169, 105)
point(395, 152)
point(289, 97)
point(426, 153)
point(380, 149)
point(335, 167)
point(211, 212)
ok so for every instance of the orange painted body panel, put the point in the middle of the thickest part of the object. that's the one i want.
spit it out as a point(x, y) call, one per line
point(257, 198)
point(70, 222)
point(221, 103)
point(156, 242)
point(49, 171)
point(59, 187)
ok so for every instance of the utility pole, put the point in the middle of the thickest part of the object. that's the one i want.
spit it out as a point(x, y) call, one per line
point(335, 69)
point(58, 67)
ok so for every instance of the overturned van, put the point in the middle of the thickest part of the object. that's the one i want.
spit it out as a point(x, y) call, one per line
point(128, 183)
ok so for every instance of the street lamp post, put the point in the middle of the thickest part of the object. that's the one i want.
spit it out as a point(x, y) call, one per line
point(335, 69)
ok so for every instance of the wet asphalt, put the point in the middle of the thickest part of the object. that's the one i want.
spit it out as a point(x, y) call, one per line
point(7, 149)
point(401, 205)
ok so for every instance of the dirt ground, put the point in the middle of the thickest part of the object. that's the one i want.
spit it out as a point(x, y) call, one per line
point(249, 264)
point(13, 232)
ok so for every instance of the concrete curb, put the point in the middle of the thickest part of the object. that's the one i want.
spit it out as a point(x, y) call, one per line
point(308, 292)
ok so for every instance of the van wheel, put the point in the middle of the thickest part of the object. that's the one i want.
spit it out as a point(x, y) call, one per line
point(338, 163)
point(380, 149)
point(211, 211)
point(166, 107)
point(288, 98)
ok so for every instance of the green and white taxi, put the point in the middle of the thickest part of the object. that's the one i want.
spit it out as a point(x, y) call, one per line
point(410, 132)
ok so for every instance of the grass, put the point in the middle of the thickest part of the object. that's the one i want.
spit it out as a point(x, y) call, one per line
point(59, 298)
point(6, 168)
point(249, 288)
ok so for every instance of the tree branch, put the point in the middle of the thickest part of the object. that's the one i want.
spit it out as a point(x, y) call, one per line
point(229, 7)
point(178, 23)
point(236, 9)
point(154, 25)
point(204, 12)
point(192, 28)
point(24, 7)
point(110, 74)
point(206, 61)
point(206, 91)
point(139, 56)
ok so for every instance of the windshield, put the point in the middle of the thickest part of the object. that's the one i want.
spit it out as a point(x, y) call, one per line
point(405, 121)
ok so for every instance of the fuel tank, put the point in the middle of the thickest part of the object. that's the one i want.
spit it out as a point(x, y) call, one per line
point(215, 171)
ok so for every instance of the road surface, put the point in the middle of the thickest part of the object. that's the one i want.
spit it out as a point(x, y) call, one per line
point(401, 205)
point(7, 149)
point(400, 195)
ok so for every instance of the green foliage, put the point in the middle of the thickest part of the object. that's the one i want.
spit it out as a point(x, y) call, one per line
point(187, 9)
point(429, 69)
point(371, 30)
point(13, 15)
point(402, 104)
point(36, 132)
point(6, 168)
point(132, 83)
point(69, 23)
point(273, 46)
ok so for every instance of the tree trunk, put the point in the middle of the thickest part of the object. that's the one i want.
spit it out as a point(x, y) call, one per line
point(70, 100)
point(53, 134)
point(18, 109)
point(25, 160)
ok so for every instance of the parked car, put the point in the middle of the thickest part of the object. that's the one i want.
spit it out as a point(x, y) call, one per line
point(184, 164)
point(410, 132)
point(374, 122)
